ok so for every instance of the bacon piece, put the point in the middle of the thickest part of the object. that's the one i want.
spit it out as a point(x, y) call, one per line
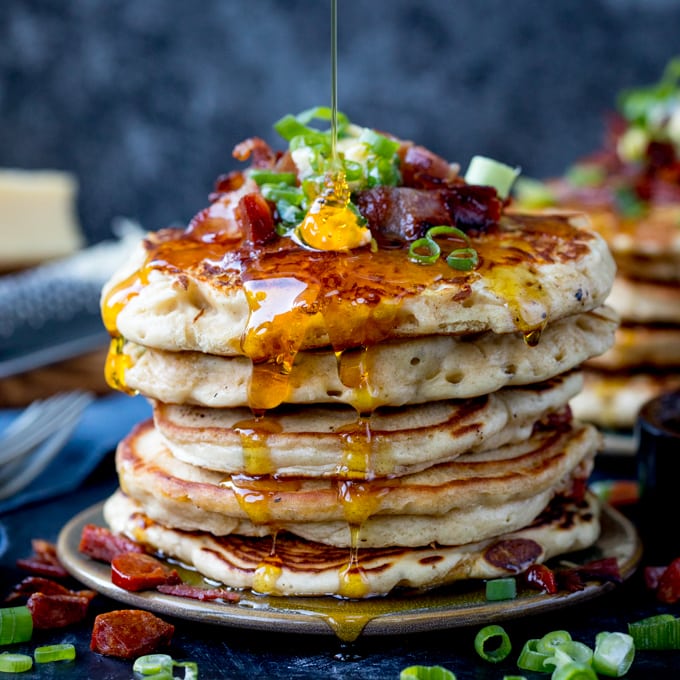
point(604, 570)
point(129, 633)
point(514, 554)
point(196, 593)
point(540, 577)
point(57, 611)
point(255, 219)
point(46, 586)
point(135, 571)
point(262, 154)
point(232, 181)
point(101, 544)
point(43, 561)
point(403, 214)
point(669, 583)
point(423, 169)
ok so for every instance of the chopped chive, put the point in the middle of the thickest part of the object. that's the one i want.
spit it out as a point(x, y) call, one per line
point(15, 663)
point(492, 643)
point(501, 589)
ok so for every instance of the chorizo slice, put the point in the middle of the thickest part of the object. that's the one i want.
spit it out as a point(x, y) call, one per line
point(129, 633)
point(101, 544)
point(138, 571)
point(57, 611)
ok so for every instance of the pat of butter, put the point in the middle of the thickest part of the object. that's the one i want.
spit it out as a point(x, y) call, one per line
point(38, 218)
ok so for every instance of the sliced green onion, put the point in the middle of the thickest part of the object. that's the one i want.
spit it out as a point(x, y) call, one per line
point(380, 144)
point(152, 664)
point(190, 669)
point(550, 641)
point(289, 126)
point(489, 172)
point(532, 193)
point(514, 677)
point(426, 673)
point(492, 643)
point(446, 230)
point(574, 671)
point(47, 653)
point(530, 659)
point(16, 625)
point(15, 663)
point(614, 654)
point(656, 632)
point(570, 652)
point(585, 175)
point(501, 589)
point(282, 192)
point(321, 113)
point(463, 259)
point(420, 258)
point(271, 177)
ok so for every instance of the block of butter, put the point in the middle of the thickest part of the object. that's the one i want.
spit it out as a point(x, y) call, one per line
point(38, 217)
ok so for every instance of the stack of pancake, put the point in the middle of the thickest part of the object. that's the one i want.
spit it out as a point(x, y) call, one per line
point(347, 422)
point(631, 191)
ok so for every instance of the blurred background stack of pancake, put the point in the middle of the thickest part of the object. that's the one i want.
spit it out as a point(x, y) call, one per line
point(631, 191)
point(351, 420)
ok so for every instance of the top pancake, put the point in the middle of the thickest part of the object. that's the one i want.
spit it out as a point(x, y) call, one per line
point(222, 298)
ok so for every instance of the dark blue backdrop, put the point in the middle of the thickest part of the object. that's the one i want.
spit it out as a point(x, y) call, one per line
point(144, 99)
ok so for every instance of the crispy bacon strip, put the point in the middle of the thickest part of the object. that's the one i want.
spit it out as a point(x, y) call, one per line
point(262, 154)
point(43, 561)
point(46, 586)
point(129, 633)
point(196, 593)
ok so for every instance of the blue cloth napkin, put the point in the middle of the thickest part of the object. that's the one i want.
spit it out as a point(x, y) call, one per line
point(103, 424)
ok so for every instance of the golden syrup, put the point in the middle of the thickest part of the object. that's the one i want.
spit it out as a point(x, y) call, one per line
point(119, 296)
point(357, 446)
point(254, 434)
point(267, 574)
point(330, 222)
point(117, 362)
point(352, 580)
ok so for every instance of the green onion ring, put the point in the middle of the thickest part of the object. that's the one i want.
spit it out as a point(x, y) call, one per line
point(614, 654)
point(496, 635)
point(551, 640)
point(419, 258)
point(426, 673)
point(16, 625)
point(463, 259)
point(574, 671)
point(530, 659)
point(153, 664)
point(446, 230)
point(15, 663)
point(46, 653)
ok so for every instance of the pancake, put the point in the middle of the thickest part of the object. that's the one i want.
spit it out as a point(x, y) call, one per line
point(181, 294)
point(613, 400)
point(480, 494)
point(321, 441)
point(645, 301)
point(638, 346)
point(397, 373)
point(304, 568)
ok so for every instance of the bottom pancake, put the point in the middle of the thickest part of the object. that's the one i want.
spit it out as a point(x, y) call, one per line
point(295, 567)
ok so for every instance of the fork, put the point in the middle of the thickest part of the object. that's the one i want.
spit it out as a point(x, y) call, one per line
point(31, 441)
